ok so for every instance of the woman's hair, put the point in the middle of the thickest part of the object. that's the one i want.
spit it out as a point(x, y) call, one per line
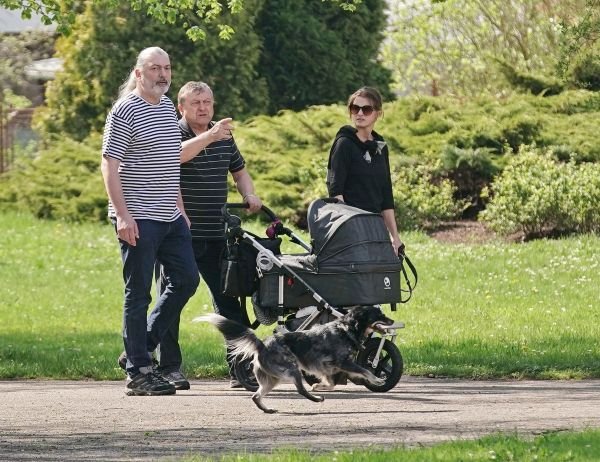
point(367, 92)
point(129, 85)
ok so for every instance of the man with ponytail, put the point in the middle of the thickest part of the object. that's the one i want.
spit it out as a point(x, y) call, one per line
point(140, 165)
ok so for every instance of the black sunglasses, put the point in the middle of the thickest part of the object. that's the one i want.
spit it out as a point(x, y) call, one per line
point(366, 110)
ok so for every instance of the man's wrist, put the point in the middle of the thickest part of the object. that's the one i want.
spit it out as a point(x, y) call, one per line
point(248, 195)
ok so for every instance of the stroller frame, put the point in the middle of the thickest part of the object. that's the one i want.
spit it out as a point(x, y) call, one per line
point(371, 348)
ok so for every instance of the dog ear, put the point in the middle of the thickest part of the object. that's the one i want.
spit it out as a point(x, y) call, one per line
point(374, 314)
point(360, 319)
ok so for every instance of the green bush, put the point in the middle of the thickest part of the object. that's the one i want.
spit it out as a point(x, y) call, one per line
point(520, 130)
point(582, 196)
point(423, 105)
point(478, 161)
point(286, 154)
point(62, 182)
point(470, 170)
point(574, 102)
point(530, 83)
point(430, 123)
point(536, 194)
point(422, 199)
point(585, 69)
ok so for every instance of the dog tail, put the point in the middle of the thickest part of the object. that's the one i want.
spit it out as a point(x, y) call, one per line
point(240, 339)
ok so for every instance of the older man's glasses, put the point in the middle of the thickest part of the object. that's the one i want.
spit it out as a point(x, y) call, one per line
point(366, 110)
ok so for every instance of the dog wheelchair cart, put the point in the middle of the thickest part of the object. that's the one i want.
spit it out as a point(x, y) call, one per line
point(349, 263)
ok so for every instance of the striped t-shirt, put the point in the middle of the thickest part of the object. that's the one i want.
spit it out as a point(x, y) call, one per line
point(145, 138)
point(204, 184)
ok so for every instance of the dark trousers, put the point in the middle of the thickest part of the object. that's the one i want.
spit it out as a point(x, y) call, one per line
point(208, 260)
point(171, 245)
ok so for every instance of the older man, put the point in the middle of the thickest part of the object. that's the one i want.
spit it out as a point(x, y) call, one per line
point(140, 165)
point(209, 153)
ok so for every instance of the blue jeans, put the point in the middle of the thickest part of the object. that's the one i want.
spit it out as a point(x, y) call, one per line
point(170, 243)
point(208, 259)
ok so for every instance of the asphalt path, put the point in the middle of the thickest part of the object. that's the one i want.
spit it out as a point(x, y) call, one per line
point(96, 421)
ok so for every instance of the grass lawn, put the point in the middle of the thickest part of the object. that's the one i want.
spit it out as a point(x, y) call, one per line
point(552, 447)
point(479, 311)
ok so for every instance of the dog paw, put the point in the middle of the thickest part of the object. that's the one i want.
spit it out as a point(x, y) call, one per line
point(270, 411)
point(379, 382)
point(322, 387)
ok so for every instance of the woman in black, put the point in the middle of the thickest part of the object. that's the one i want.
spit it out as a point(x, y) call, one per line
point(359, 167)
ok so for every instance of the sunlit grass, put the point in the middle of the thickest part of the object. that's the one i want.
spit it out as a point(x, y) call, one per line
point(552, 447)
point(493, 310)
point(522, 310)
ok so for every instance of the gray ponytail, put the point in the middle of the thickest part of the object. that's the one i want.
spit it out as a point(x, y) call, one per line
point(130, 83)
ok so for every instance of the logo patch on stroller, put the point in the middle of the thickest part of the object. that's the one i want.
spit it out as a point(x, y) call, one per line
point(387, 284)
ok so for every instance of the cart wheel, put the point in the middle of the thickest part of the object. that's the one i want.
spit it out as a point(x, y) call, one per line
point(389, 367)
point(244, 372)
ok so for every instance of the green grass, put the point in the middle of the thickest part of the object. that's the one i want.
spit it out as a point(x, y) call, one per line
point(510, 310)
point(552, 447)
point(61, 304)
point(479, 311)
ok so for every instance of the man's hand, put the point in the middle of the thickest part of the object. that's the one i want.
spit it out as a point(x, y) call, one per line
point(127, 229)
point(221, 130)
point(253, 202)
point(187, 220)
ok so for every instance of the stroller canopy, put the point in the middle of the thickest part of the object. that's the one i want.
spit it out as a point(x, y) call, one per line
point(342, 234)
point(352, 262)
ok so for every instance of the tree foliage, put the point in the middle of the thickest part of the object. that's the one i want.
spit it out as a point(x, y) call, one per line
point(313, 52)
point(193, 15)
point(100, 53)
point(453, 46)
point(279, 57)
point(580, 48)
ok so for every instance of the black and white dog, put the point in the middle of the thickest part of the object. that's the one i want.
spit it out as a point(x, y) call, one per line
point(322, 351)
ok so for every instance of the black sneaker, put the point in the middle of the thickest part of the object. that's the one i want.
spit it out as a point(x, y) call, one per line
point(151, 384)
point(177, 379)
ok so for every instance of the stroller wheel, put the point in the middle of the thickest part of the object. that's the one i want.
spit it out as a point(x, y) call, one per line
point(244, 372)
point(389, 366)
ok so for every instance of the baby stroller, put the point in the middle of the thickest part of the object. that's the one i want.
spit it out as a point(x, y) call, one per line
point(349, 263)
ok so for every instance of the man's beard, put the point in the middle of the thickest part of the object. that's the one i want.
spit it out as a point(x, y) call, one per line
point(161, 89)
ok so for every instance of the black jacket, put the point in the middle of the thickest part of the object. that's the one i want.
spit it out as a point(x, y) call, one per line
point(360, 171)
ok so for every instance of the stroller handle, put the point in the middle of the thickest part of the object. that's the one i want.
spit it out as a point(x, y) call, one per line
point(275, 229)
point(238, 205)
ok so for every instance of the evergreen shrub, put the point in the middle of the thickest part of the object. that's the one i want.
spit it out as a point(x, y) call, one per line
point(585, 69)
point(62, 182)
point(424, 200)
point(287, 155)
point(537, 195)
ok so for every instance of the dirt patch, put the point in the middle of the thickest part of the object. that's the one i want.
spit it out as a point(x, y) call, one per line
point(469, 232)
point(95, 421)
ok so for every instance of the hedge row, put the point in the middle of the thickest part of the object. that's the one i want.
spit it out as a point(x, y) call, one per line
point(444, 153)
